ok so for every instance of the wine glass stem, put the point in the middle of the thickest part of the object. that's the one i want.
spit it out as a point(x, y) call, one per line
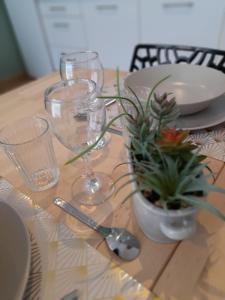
point(91, 184)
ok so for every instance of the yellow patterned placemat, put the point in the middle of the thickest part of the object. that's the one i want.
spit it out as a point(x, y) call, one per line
point(62, 262)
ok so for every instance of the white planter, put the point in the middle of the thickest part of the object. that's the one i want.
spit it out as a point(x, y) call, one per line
point(164, 226)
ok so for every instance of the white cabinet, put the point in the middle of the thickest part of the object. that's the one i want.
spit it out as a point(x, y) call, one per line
point(45, 28)
point(112, 30)
point(107, 26)
point(185, 22)
point(63, 26)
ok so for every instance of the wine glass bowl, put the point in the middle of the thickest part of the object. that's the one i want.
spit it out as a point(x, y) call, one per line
point(83, 64)
point(66, 103)
point(87, 65)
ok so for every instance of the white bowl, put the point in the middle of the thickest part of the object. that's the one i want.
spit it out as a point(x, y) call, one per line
point(195, 87)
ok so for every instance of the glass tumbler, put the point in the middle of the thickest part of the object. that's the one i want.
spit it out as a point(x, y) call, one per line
point(28, 144)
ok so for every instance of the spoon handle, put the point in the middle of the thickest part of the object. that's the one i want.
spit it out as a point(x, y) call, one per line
point(73, 211)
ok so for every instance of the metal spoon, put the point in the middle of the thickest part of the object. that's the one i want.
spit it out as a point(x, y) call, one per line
point(119, 240)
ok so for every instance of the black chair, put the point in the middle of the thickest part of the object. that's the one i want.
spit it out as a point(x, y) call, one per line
point(146, 55)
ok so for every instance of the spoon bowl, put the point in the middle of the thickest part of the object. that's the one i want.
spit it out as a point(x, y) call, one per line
point(123, 243)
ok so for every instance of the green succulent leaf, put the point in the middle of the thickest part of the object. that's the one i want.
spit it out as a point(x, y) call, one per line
point(200, 203)
point(88, 149)
point(124, 185)
point(153, 91)
point(139, 102)
point(124, 176)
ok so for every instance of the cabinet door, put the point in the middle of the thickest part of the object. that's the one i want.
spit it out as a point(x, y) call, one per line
point(63, 23)
point(63, 32)
point(185, 22)
point(63, 26)
point(59, 8)
point(112, 30)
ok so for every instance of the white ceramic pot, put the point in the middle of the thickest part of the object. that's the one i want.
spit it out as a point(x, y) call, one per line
point(164, 226)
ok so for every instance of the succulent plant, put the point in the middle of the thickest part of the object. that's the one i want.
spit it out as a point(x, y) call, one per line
point(167, 168)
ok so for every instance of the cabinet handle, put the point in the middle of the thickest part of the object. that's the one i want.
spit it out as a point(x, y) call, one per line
point(58, 8)
point(61, 25)
point(105, 7)
point(187, 4)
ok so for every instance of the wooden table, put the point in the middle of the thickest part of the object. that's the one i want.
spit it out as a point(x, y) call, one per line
point(192, 269)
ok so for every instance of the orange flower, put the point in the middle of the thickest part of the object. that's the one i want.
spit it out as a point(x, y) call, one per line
point(172, 136)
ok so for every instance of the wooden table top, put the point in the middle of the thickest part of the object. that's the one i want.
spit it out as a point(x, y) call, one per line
point(191, 269)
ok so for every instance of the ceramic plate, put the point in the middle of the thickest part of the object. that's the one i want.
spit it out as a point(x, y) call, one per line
point(195, 87)
point(211, 116)
point(14, 254)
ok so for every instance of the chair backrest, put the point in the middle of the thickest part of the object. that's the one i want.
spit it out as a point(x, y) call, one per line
point(146, 55)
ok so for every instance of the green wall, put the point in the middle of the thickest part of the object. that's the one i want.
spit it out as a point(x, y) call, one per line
point(11, 62)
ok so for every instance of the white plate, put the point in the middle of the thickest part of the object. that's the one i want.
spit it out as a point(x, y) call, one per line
point(211, 116)
point(14, 254)
point(194, 87)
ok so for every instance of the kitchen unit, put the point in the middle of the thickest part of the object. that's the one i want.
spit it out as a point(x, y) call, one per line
point(109, 28)
point(45, 28)
point(187, 22)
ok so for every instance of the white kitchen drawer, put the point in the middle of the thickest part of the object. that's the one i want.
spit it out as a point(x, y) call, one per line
point(186, 22)
point(112, 30)
point(64, 32)
point(59, 8)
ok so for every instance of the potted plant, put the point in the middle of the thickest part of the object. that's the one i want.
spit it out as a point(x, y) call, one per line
point(168, 175)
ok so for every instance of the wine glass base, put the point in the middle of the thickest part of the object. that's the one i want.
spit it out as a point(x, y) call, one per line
point(103, 142)
point(94, 191)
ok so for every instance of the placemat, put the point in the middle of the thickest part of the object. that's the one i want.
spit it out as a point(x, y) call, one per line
point(62, 262)
point(211, 140)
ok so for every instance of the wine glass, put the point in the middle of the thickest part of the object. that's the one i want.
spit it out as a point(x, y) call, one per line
point(87, 65)
point(82, 64)
point(78, 118)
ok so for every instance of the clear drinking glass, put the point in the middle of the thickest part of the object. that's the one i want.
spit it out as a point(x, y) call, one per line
point(78, 118)
point(82, 64)
point(28, 144)
point(86, 65)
